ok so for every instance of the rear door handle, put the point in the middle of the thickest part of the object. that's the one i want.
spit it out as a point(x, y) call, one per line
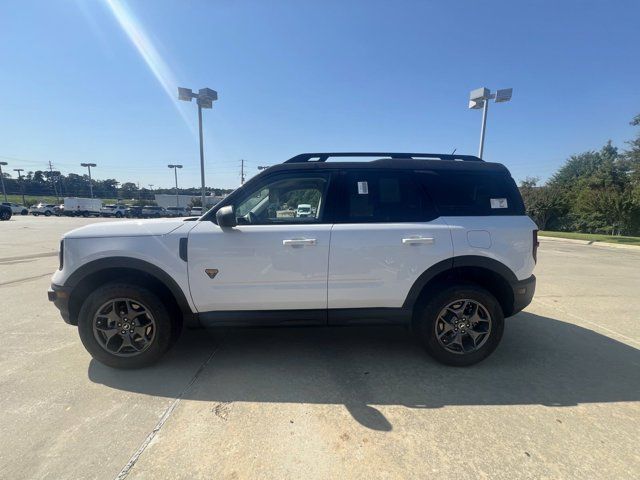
point(298, 242)
point(418, 241)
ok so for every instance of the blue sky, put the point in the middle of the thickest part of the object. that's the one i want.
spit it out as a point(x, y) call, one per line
point(295, 76)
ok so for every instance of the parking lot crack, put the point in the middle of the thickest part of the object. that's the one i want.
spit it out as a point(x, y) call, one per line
point(163, 419)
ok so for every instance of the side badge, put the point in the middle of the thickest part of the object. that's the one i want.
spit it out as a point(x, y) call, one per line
point(212, 272)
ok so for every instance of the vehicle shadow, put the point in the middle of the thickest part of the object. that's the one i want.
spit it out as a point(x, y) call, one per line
point(540, 361)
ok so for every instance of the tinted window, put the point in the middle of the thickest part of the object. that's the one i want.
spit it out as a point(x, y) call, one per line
point(384, 196)
point(473, 194)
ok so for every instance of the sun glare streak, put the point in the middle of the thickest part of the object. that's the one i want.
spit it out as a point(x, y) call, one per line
point(149, 53)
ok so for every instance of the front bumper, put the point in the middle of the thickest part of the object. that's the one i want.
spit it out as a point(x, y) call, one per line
point(60, 296)
point(523, 293)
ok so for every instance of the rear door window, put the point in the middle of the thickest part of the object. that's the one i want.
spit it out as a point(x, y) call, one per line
point(384, 196)
point(473, 193)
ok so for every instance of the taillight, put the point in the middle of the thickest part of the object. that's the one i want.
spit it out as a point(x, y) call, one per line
point(535, 246)
point(61, 254)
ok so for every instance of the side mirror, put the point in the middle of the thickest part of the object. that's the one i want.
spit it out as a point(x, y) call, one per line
point(226, 217)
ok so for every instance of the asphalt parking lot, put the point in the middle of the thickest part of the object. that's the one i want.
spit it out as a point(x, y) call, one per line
point(560, 398)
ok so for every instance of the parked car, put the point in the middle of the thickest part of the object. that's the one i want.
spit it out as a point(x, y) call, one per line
point(16, 208)
point(304, 210)
point(195, 211)
point(176, 211)
point(113, 210)
point(133, 212)
point(5, 212)
point(46, 209)
point(152, 211)
point(438, 243)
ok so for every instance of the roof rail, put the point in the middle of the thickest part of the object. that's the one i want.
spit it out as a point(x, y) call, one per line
point(323, 156)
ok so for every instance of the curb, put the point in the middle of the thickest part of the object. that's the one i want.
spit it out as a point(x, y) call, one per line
point(591, 243)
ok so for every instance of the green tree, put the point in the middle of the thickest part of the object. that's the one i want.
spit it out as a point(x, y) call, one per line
point(542, 203)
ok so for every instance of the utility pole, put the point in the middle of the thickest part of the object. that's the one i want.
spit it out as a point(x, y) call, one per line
point(204, 98)
point(2, 180)
point(175, 172)
point(53, 181)
point(20, 170)
point(479, 99)
point(89, 165)
point(151, 190)
point(241, 171)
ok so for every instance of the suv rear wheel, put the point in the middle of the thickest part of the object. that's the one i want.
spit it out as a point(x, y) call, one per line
point(461, 325)
point(125, 326)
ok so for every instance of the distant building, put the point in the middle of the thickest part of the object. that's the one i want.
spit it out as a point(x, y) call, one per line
point(165, 201)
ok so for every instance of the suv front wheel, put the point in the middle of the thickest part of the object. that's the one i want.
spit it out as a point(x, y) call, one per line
point(461, 325)
point(125, 326)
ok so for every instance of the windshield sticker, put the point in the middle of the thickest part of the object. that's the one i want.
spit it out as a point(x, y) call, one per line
point(363, 188)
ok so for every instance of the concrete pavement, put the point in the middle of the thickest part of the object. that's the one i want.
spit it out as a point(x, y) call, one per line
point(560, 398)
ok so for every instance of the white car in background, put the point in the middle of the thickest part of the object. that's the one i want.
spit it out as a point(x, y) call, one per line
point(176, 211)
point(113, 210)
point(46, 209)
point(304, 210)
point(16, 208)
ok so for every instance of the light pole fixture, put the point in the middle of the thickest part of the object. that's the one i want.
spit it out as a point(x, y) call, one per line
point(205, 98)
point(175, 173)
point(20, 170)
point(4, 192)
point(89, 165)
point(479, 99)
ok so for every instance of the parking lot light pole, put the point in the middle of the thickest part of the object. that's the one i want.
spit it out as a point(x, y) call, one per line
point(175, 173)
point(20, 170)
point(4, 192)
point(479, 99)
point(89, 165)
point(204, 98)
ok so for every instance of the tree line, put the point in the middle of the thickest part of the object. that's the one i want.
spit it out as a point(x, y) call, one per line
point(53, 183)
point(593, 192)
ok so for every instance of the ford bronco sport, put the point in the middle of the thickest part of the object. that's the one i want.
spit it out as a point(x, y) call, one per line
point(439, 243)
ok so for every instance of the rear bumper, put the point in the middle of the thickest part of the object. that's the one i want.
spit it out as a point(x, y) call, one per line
point(60, 295)
point(523, 293)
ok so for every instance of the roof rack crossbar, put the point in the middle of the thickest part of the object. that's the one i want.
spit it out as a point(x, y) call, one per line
point(323, 156)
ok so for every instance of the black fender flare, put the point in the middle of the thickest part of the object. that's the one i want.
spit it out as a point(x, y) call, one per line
point(456, 262)
point(132, 264)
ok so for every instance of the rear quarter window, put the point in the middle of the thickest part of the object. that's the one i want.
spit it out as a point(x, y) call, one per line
point(473, 193)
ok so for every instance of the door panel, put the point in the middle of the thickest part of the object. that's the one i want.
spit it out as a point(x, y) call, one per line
point(375, 264)
point(260, 267)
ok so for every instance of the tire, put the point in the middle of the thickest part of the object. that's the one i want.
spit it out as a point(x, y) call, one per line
point(24, 212)
point(118, 215)
point(5, 215)
point(161, 327)
point(85, 214)
point(47, 213)
point(480, 338)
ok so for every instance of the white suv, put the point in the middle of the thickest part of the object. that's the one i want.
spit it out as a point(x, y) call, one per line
point(439, 243)
point(114, 210)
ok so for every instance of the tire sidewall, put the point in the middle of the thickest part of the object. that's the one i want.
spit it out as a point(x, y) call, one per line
point(161, 342)
point(429, 314)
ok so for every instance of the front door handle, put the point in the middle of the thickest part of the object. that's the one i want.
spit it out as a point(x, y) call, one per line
point(299, 242)
point(418, 241)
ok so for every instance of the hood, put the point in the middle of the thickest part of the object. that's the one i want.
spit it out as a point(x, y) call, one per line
point(127, 228)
